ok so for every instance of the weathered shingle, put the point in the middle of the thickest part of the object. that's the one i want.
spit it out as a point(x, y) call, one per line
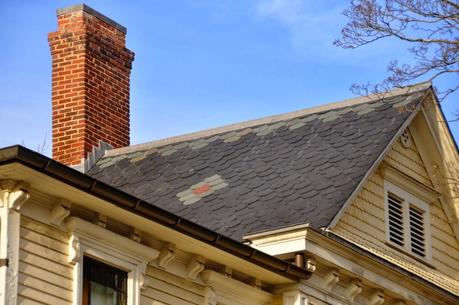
point(276, 174)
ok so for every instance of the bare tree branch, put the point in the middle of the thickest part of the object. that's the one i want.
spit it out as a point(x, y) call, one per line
point(430, 27)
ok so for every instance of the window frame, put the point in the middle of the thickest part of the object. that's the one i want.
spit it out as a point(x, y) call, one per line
point(408, 200)
point(88, 264)
point(90, 240)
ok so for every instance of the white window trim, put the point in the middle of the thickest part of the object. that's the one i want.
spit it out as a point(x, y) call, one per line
point(408, 199)
point(88, 239)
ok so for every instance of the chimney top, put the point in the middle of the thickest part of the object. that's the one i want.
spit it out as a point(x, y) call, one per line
point(83, 7)
point(91, 69)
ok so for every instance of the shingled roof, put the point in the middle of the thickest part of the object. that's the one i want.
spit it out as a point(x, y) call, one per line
point(265, 174)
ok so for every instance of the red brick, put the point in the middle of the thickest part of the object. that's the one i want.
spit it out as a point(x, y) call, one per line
point(90, 81)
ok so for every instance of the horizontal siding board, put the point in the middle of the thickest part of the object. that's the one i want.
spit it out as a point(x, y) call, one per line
point(165, 297)
point(364, 223)
point(45, 287)
point(360, 228)
point(169, 278)
point(58, 268)
point(408, 161)
point(44, 240)
point(174, 290)
point(45, 230)
point(34, 294)
point(26, 301)
point(147, 301)
point(39, 250)
point(46, 275)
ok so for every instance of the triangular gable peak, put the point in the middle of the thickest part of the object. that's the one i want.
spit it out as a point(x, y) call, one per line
point(433, 147)
point(418, 166)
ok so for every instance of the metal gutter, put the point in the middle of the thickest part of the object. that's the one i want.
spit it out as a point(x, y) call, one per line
point(343, 242)
point(130, 203)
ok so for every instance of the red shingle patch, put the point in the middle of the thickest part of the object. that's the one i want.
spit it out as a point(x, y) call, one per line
point(202, 189)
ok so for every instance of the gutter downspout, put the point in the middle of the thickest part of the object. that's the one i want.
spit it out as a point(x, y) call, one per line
point(12, 196)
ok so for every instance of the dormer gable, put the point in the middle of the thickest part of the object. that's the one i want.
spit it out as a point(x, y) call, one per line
point(406, 211)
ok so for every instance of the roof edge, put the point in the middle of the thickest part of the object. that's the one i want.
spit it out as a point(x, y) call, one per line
point(354, 247)
point(83, 182)
point(377, 162)
point(268, 120)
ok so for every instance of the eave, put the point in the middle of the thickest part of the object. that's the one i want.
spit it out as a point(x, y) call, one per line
point(44, 165)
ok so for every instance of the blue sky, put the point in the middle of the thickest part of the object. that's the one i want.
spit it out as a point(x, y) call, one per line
point(198, 64)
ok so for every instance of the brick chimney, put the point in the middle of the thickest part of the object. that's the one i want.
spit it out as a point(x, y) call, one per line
point(91, 67)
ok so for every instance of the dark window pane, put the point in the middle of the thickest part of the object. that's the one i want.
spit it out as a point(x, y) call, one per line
point(103, 284)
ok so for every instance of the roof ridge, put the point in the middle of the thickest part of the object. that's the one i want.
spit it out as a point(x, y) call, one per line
point(267, 120)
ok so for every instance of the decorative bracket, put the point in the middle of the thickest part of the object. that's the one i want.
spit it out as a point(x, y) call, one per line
point(331, 279)
point(227, 271)
point(74, 250)
point(60, 211)
point(195, 266)
point(353, 289)
point(376, 298)
point(310, 265)
point(295, 298)
point(101, 220)
point(14, 194)
point(166, 255)
point(136, 235)
point(142, 274)
point(256, 283)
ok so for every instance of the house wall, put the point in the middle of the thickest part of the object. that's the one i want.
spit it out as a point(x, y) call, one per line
point(364, 223)
point(166, 288)
point(45, 276)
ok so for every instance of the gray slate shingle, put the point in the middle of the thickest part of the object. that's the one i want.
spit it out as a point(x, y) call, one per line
point(274, 175)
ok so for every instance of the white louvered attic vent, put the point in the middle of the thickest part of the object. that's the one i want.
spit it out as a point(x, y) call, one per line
point(417, 231)
point(395, 219)
point(408, 222)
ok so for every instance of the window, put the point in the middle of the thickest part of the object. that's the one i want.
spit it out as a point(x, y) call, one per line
point(408, 222)
point(109, 269)
point(103, 284)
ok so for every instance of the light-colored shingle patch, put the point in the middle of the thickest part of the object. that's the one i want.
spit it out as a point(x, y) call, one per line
point(201, 189)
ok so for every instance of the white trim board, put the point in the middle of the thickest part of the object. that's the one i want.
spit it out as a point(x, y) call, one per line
point(87, 239)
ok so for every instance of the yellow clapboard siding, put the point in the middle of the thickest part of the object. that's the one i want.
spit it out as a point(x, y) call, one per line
point(32, 259)
point(174, 290)
point(359, 226)
point(43, 240)
point(370, 198)
point(350, 230)
point(369, 231)
point(447, 260)
point(147, 301)
point(39, 250)
point(409, 161)
point(25, 301)
point(45, 287)
point(45, 274)
point(172, 297)
point(176, 281)
point(442, 239)
point(43, 229)
point(369, 208)
point(33, 294)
